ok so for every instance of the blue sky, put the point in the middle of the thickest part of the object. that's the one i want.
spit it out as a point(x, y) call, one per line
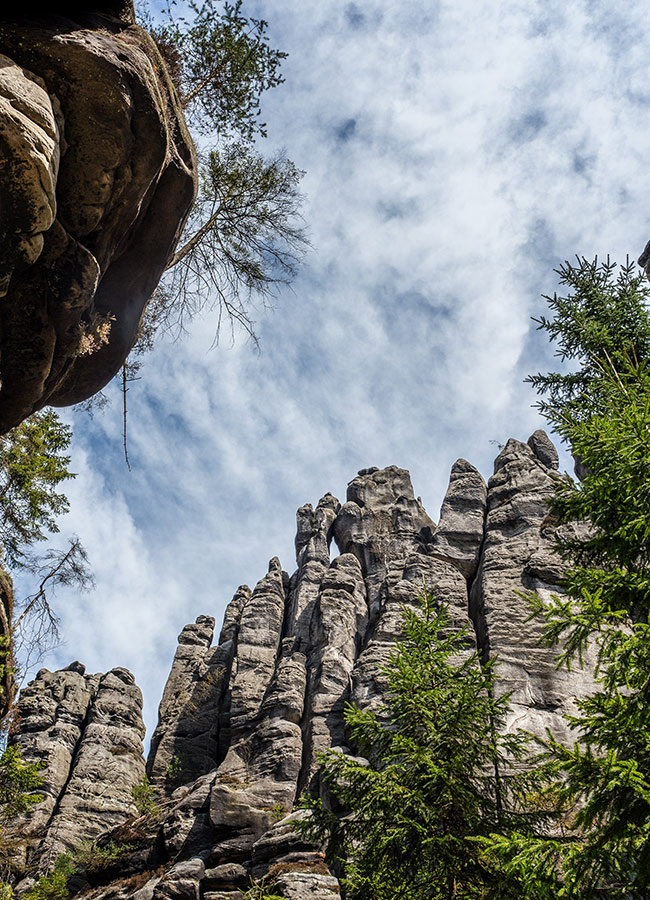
point(455, 154)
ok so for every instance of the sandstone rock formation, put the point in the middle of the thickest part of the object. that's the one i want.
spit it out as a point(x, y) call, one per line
point(242, 723)
point(87, 730)
point(517, 556)
point(98, 177)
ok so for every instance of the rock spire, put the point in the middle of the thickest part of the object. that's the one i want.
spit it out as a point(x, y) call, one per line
point(241, 723)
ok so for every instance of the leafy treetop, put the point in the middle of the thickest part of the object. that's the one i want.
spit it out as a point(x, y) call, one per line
point(222, 63)
point(33, 462)
point(244, 236)
point(602, 411)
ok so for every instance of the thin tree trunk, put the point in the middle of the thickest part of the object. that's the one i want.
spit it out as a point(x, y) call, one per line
point(124, 390)
point(187, 99)
point(193, 241)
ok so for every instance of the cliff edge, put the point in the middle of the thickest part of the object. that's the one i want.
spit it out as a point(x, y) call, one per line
point(98, 178)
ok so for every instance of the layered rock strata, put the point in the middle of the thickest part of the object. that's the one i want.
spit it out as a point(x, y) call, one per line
point(517, 557)
point(242, 723)
point(87, 732)
point(98, 176)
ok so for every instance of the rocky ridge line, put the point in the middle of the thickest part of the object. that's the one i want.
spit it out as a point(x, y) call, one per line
point(241, 723)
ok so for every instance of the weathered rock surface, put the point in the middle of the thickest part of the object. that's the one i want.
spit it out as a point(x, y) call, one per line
point(248, 717)
point(517, 556)
point(87, 730)
point(98, 176)
point(307, 886)
point(459, 534)
point(188, 743)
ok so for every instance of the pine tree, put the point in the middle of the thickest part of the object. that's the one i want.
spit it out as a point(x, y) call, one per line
point(244, 235)
point(438, 779)
point(33, 462)
point(601, 410)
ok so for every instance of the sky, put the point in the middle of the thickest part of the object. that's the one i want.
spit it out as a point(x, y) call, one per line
point(455, 154)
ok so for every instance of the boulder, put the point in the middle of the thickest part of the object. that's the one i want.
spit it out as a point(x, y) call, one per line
point(99, 176)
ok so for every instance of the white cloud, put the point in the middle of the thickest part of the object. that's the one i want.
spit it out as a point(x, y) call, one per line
point(454, 153)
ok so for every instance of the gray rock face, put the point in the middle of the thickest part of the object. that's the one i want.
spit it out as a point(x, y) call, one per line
point(542, 446)
point(340, 618)
point(107, 765)
point(185, 719)
point(380, 521)
point(307, 886)
point(250, 715)
point(517, 555)
point(459, 534)
point(313, 537)
point(87, 730)
point(258, 644)
point(52, 713)
point(30, 138)
point(98, 176)
point(261, 767)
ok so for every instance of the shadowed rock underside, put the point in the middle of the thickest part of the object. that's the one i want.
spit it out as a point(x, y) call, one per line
point(98, 176)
